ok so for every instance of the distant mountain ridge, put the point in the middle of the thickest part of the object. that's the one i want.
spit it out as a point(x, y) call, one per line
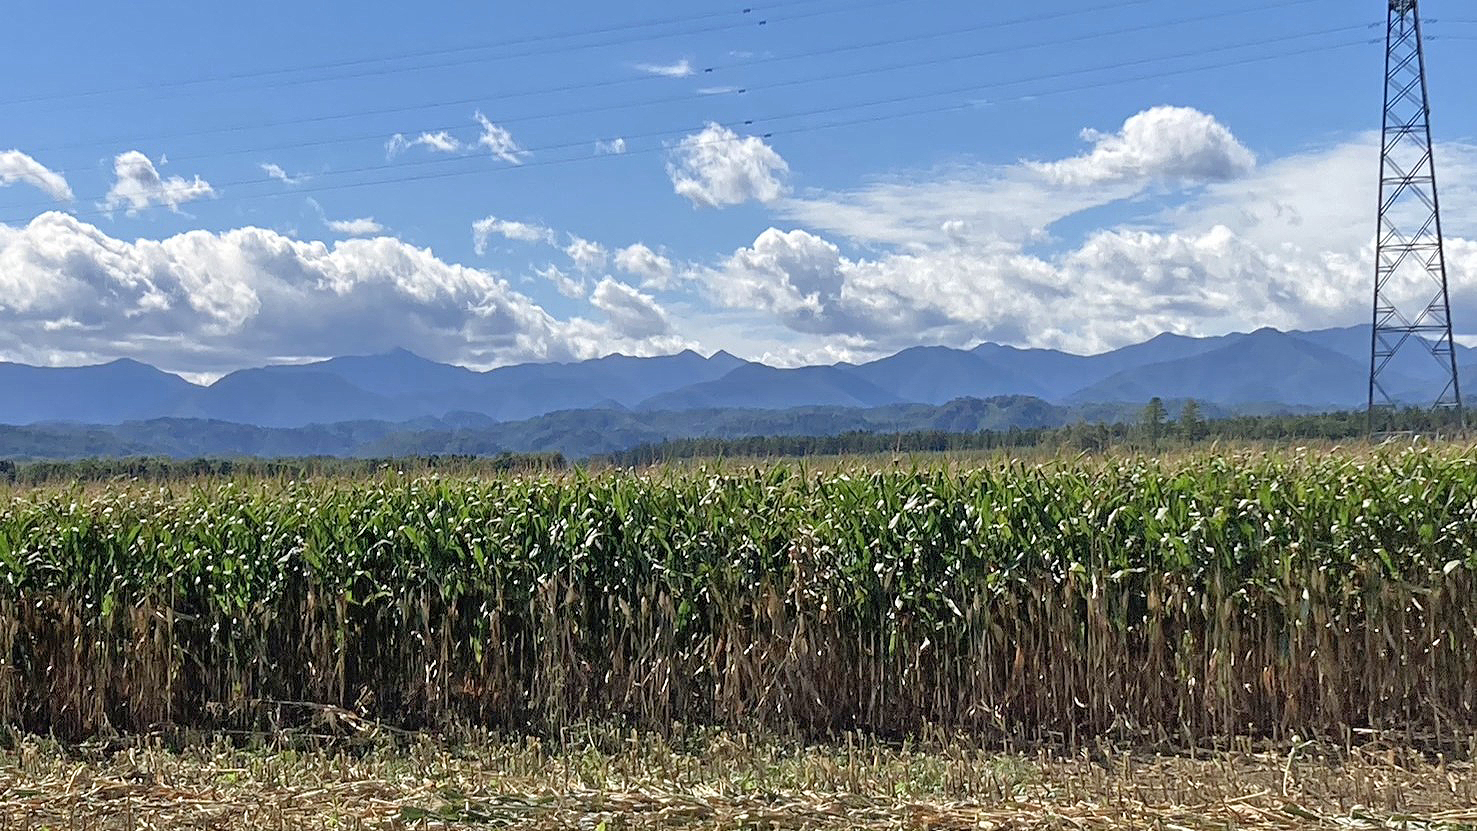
point(1323, 369)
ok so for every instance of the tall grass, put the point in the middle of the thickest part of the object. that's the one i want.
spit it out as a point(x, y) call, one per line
point(1206, 596)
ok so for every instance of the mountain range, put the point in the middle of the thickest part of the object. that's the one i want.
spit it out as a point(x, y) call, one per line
point(1262, 370)
point(398, 404)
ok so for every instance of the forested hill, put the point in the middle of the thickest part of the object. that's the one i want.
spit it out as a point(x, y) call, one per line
point(576, 434)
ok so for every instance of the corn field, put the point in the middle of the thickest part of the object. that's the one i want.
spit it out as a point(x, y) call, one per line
point(1205, 596)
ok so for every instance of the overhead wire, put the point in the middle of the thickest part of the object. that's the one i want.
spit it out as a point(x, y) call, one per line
point(743, 24)
point(789, 131)
point(155, 87)
point(550, 90)
point(616, 106)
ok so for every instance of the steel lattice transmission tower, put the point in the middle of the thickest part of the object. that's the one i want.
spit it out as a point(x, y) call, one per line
point(1410, 297)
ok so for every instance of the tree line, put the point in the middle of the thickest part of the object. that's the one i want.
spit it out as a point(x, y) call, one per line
point(1156, 429)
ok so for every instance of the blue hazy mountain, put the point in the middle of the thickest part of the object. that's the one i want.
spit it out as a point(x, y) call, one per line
point(392, 374)
point(528, 390)
point(1060, 374)
point(1261, 370)
point(1413, 374)
point(1264, 366)
point(102, 394)
point(288, 397)
point(767, 388)
point(935, 374)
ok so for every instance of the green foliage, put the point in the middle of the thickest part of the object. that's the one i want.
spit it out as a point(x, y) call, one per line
point(1153, 419)
point(1191, 424)
point(1083, 436)
point(157, 469)
point(1269, 594)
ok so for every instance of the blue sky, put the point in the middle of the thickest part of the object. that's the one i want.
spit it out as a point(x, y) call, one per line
point(847, 180)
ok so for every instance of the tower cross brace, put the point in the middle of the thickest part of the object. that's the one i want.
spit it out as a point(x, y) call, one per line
point(1410, 289)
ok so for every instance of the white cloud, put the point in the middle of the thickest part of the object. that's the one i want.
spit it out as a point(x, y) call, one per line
point(275, 171)
point(1117, 287)
point(676, 69)
point(1013, 205)
point(438, 142)
point(614, 147)
point(717, 167)
point(568, 286)
point(139, 185)
point(972, 254)
point(655, 270)
point(499, 142)
point(587, 255)
point(633, 314)
point(728, 90)
point(1003, 205)
point(484, 229)
point(203, 302)
point(362, 227)
point(1162, 142)
point(795, 276)
point(494, 139)
point(16, 166)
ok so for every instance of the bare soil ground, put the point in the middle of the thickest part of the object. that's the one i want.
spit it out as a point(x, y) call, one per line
point(610, 780)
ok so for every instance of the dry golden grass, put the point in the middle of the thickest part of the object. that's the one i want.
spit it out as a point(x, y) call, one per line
point(611, 780)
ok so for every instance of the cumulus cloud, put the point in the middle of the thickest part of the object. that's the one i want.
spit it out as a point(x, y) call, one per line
point(483, 230)
point(977, 253)
point(676, 69)
point(717, 167)
point(203, 302)
point(355, 227)
point(139, 185)
point(16, 166)
point(1117, 287)
point(633, 314)
point(614, 147)
point(275, 171)
point(655, 270)
point(587, 255)
point(1162, 142)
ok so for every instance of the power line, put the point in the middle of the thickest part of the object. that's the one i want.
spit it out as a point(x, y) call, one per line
point(752, 22)
point(790, 131)
point(730, 12)
point(933, 61)
point(482, 99)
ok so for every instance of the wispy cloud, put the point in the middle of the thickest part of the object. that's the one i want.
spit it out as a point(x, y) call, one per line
point(497, 140)
point(614, 147)
point(484, 229)
point(16, 166)
point(680, 69)
point(438, 142)
point(275, 171)
point(494, 138)
point(355, 227)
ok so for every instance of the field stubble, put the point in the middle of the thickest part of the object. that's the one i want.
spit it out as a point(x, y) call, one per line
point(613, 779)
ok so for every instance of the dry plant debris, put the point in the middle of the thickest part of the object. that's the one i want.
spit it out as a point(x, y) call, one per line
point(610, 781)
